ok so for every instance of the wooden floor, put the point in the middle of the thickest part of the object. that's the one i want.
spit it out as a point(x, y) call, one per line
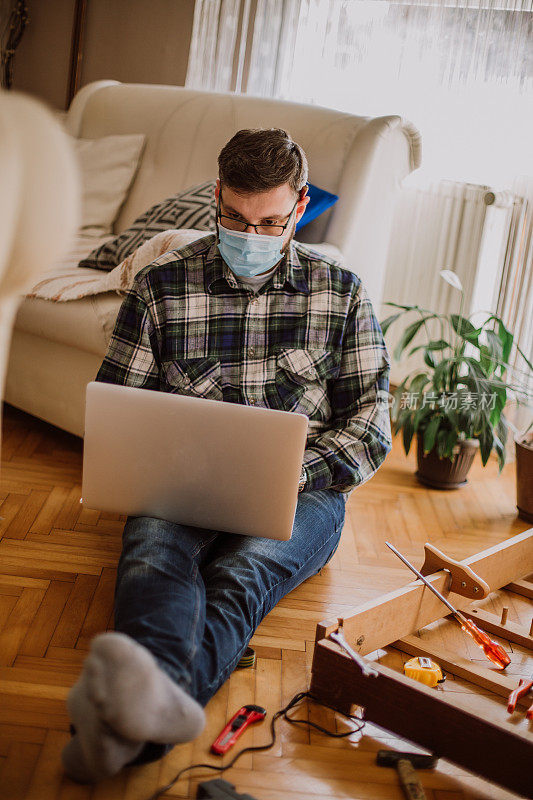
point(57, 573)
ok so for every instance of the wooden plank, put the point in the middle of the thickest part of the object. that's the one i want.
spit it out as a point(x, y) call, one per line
point(18, 623)
point(9, 509)
point(28, 690)
point(16, 774)
point(499, 751)
point(22, 582)
point(491, 623)
point(26, 515)
point(45, 620)
point(71, 620)
point(46, 516)
point(391, 616)
point(495, 681)
point(524, 588)
point(100, 607)
point(48, 775)
point(70, 511)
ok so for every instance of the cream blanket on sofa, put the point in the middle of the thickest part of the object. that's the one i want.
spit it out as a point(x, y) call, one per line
point(67, 281)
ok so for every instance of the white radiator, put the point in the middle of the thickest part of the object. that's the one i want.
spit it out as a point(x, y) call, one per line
point(483, 235)
point(476, 232)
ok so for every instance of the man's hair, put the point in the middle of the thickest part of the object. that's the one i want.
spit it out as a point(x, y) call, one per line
point(259, 159)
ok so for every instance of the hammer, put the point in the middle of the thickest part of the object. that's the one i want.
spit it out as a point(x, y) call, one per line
point(405, 764)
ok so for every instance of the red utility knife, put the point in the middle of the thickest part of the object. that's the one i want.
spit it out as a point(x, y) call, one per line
point(237, 724)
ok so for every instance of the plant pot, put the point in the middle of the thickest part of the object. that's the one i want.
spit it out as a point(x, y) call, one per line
point(443, 473)
point(524, 479)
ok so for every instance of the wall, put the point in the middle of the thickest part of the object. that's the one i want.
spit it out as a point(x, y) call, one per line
point(135, 41)
point(41, 63)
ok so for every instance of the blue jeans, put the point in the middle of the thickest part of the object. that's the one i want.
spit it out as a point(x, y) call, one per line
point(194, 596)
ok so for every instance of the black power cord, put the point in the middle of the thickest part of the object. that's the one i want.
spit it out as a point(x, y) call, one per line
point(282, 712)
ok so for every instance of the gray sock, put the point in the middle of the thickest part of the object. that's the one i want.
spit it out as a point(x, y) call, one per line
point(121, 700)
point(95, 752)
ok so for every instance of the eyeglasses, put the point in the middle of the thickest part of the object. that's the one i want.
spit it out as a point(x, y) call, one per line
point(240, 224)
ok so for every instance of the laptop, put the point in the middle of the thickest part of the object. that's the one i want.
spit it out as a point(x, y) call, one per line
point(201, 462)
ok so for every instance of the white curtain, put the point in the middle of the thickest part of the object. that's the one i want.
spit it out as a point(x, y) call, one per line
point(215, 43)
point(461, 70)
point(243, 45)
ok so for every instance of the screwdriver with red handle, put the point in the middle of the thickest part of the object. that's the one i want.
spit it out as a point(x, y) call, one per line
point(492, 649)
point(523, 688)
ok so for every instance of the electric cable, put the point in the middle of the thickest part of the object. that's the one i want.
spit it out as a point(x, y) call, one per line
point(360, 724)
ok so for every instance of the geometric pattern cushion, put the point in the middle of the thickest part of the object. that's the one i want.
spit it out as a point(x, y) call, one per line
point(193, 208)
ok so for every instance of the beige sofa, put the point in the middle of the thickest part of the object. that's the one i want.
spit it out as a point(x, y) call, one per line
point(57, 347)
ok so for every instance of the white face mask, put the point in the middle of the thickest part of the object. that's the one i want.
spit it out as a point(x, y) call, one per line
point(249, 254)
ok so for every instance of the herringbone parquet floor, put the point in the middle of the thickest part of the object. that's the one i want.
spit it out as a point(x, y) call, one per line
point(57, 572)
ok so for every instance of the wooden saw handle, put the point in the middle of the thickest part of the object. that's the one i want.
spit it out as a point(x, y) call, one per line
point(464, 580)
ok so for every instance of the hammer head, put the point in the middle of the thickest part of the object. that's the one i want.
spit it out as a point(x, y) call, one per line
point(389, 758)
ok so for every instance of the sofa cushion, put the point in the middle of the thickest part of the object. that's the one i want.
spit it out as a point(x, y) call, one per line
point(86, 324)
point(193, 208)
point(319, 201)
point(108, 165)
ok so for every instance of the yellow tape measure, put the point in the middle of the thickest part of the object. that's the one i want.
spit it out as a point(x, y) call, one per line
point(247, 659)
point(424, 670)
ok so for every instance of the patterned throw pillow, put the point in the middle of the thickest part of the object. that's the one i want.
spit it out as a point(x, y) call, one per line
point(193, 208)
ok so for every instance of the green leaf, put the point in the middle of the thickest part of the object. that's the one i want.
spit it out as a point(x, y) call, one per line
point(421, 415)
point(451, 441)
point(408, 335)
point(408, 432)
point(464, 328)
point(403, 415)
point(501, 439)
point(399, 420)
point(418, 382)
point(397, 398)
point(385, 325)
point(398, 305)
point(452, 415)
point(486, 360)
point(500, 452)
point(502, 429)
point(506, 338)
point(495, 348)
point(485, 442)
point(475, 371)
point(441, 443)
point(435, 344)
point(526, 359)
point(429, 360)
point(441, 374)
point(499, 405)
point(430, 433)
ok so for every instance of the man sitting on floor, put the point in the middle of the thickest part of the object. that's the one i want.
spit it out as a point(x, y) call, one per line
point(293, 331)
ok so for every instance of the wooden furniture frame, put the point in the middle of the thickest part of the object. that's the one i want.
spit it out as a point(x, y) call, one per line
point(499, 751)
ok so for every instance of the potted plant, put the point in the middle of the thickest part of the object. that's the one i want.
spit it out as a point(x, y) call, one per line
point(455, 404)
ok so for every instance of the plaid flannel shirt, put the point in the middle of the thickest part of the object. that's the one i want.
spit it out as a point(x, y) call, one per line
point(308, 341)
